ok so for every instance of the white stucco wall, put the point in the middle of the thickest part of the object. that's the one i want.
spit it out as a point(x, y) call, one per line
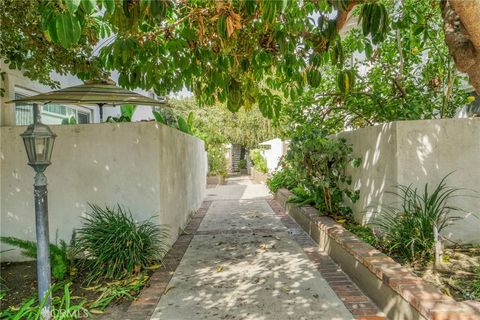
point(419, 152)
point(274, 153)
point(150, 168)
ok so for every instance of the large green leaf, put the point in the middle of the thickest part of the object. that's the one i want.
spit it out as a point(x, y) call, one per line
point(183, 126)
point(88, 5)
point(128, 110)
point(190, 119)
point(109, 5)
point(159, 117)
point(72, 5)
point(68, 29)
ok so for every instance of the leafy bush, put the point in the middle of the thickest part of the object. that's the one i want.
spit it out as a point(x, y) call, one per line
point(408, 231)
point(259, 162)
point(71, 120)
point(126, 114)
point(61, 256)
point(364, 233)
point(115, 246)
point(217, 163)
point(61, 308)
point(186, 126)
point(316, 172)
point(282, 179)
point(242, 164)
point(166, 116)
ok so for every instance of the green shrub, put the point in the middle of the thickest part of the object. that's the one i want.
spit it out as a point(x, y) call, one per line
point(217, 163)
point(115, 246)
point(364, 233)
point(281, 179)
point(242, 164)
point(408, 231)
point(259, 162)
point(318, 166)
point(61, 255)
point(126, 114)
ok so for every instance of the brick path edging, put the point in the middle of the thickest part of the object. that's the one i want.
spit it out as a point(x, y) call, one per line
point(144, 305)
point(427, 299)
point(359, 305)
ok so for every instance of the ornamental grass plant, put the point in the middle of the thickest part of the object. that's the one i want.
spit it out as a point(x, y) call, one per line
point(407, 231)
point(115, 246)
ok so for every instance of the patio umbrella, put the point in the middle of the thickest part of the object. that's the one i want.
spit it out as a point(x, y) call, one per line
point(93, 92)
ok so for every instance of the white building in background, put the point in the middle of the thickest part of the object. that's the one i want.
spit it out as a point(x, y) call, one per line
point(16, 86)
point(273, 151)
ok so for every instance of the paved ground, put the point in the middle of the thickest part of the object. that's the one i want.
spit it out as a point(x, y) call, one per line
point(243, 263)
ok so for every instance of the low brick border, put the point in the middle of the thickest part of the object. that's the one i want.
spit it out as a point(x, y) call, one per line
point(144, 305)
point(359, 305)
point(395, 285)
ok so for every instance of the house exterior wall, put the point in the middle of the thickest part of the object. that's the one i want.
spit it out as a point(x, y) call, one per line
point(419, 152)
point(14, 79)
point(150, 168)
point(274, 153)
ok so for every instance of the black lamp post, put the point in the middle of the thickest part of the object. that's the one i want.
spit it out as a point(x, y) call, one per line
point(39, 139)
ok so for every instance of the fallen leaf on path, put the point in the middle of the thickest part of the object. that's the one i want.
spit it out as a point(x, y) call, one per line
point(153, 267)
point(168, 289)
point(219, 268)
point(264, 246)
point(286, 289)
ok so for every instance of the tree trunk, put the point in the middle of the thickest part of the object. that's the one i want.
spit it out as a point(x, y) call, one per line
point(462, 36)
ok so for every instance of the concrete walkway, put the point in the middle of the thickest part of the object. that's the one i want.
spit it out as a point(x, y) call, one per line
point(244, 264)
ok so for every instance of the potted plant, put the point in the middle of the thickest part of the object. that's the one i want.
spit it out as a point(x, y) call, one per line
point(217, 164)
point(242, 165)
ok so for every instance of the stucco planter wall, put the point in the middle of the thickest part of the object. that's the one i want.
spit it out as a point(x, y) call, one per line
point(152, 169)
point(257, 176)
point(399, 293)
point(419, 152)
point(214, 180)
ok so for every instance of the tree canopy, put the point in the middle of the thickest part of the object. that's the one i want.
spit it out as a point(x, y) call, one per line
point(238, 52)
point(409, 75)
point(216, 125)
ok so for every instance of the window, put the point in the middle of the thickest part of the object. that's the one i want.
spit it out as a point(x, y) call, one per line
point(83, 117)
point(50, 113)
point(23, 112)
point(55, 113)
point(55, 108)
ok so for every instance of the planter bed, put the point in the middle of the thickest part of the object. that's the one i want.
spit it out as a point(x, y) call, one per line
point(214, 180)
point(257, 176)
point(19, 280)
point(398, 292)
